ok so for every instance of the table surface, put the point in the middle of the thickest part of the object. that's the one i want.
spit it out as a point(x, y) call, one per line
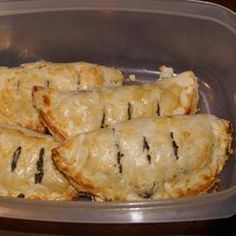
point(30, 228)
point(231, 4)
point(10, 227)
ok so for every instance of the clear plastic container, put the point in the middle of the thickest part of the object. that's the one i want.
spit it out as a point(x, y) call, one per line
point(136, 36)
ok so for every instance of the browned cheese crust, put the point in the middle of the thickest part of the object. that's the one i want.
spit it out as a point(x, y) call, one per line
point(16, 86)
point(165, 157)
point(67, 114)
point(26, 168)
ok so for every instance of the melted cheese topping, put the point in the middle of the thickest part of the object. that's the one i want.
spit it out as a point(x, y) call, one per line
point(27, 169)
point(147, 158)
point(16, 86)
point(67, 114)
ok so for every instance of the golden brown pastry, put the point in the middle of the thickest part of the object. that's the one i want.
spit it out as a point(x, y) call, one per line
point(16, 86)
point(26, 168)
point(67, 114)
point(147, 158)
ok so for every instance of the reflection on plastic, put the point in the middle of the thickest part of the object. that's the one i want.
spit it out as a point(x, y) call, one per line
point(206, 85)
point(206, 103)
point(4, 211)
point(136, 216)
point(5, 39)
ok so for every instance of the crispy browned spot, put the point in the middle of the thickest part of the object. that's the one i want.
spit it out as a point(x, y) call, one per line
point(186, 134)
point(46, 120)
point(201, 189)
point(46, 100)
point(37, 88)
point(206, 177)
point(84, 183)
point(38, 128)
point(215, 187)
point(79, 181)
point(188, 111)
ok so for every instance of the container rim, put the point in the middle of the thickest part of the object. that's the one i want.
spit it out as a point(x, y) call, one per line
point(188, 8)
point(213, 4)
point(128, 204)
point(155, 211)
point(169, 210)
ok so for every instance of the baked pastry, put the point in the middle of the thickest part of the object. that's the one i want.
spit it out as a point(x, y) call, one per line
point(165, 157)
point(16, 86)
point(27, 170)
point(67, 114)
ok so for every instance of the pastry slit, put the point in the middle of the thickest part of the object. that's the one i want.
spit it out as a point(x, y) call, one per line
point(15, 158)
point(158, 111)
point(174, 145)
point(103, 120)
point(129, 111)
point(147, 147)
point(39, 164)
point(119, 155)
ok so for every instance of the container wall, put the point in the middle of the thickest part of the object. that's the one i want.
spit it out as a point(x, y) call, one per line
point(138, 42)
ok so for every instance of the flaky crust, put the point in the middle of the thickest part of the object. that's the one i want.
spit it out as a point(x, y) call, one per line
point(16, 86)
point(166, 157)
point(67, 114)
point(26, 168)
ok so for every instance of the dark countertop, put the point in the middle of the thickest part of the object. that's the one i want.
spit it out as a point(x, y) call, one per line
point(211, 227)
point(231, 4)
point(10, 227)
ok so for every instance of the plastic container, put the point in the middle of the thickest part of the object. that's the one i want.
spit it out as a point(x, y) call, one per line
point(136, 36)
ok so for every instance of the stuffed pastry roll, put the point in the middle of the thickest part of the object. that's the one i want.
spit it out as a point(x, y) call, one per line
point(16, 86)
point(67, 114)
point(27, 170)
point(147, 158)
